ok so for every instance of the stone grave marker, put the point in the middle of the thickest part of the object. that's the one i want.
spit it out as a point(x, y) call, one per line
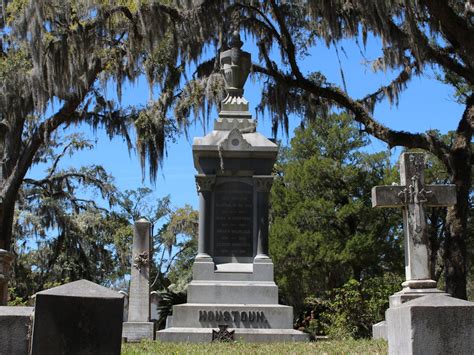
point(125, 305)
point(138, 325)
point(233, 286)
point(77, 318)
point(155, 300)
point(413, 196)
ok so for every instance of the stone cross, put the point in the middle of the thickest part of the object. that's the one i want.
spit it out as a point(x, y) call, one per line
point(413, 196)
point(139, 295)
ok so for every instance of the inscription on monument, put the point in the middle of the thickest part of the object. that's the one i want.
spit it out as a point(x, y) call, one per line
point(232, 316)
point(233, 222)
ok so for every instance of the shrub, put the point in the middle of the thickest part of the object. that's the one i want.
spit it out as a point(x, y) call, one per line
point(351, 310)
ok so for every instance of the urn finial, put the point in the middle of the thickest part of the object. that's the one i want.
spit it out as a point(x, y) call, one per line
point(235, 66)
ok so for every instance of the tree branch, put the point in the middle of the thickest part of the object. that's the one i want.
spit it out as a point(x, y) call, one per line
point(391, 137)
point(43, 132)
point(454, 27)
point(287, 41)
point(432, 52)
point(390, 89)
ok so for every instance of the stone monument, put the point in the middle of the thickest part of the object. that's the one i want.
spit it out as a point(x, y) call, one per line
point(232, 284)
point(412, 195)
point(138, 325)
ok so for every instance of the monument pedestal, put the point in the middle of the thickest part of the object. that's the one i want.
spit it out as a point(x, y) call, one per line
point(136, 331)
point(433, 324)
point(242, 297)
point(408, 294)
point(380, 330)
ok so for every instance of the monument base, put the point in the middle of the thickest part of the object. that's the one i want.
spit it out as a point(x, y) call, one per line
point(194, 322)
point(136, 331)
point(204, 335)
point(379, 330)
point(434, 324)
point(408, 294)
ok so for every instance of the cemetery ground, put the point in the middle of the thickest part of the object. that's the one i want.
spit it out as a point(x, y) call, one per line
point(319, 347)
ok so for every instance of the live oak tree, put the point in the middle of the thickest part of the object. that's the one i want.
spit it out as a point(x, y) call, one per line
point(59, 52)
point(56, 58)
point(416, 36)
point(60, 232)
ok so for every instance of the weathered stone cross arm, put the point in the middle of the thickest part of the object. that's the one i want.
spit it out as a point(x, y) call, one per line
point(393, 196)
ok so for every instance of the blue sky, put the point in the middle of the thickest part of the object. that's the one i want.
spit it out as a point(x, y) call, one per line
point(426, 104)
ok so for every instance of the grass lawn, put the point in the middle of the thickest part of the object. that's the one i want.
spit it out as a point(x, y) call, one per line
point(319, 347)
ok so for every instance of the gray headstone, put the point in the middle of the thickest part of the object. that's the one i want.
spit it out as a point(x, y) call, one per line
point(77, 318)
point(15, 324)
point(434, 324)
point(125, 305)
point(379, 330)
point(155, 300)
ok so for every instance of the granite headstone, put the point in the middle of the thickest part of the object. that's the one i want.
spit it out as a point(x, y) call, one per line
point(77, 318)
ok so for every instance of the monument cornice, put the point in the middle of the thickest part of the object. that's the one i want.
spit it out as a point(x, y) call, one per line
point(263, 183)
point(205, 182)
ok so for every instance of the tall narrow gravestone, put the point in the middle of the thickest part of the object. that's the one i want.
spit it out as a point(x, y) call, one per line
point(138, 325)
point(232, 292)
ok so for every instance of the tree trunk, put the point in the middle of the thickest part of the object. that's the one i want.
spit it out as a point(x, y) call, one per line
point(7, 213)
point(455, 257)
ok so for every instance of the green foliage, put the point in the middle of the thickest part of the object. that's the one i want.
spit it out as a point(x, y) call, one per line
point(15, 300)
point(355, 307)
point(165, 308)
point(324, 230)
point(177, 244)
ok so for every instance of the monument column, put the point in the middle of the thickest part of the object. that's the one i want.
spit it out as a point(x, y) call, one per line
point(204, 185)
point(263, 184)
point(139, 326)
